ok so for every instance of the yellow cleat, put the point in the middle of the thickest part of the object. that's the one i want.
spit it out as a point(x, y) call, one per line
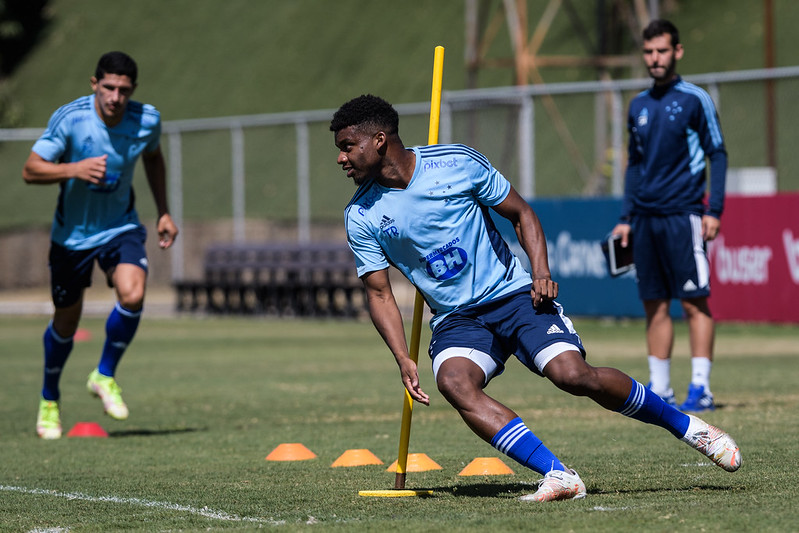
point(48, 423)
point(106, 388)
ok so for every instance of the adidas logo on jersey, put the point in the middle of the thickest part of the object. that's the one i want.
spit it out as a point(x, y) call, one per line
point(554, 329)
point(689, 286)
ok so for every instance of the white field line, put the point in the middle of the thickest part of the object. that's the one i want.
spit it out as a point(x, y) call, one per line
point(204, 511)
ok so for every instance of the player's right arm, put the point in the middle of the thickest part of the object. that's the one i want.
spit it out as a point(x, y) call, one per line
point(40, 171)
point(387, 319)
point(631, 176)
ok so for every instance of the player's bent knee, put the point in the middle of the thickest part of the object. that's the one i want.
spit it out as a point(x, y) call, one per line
point(571, 375)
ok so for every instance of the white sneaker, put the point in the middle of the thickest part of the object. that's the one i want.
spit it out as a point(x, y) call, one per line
point(557, 485)
point(714, 443)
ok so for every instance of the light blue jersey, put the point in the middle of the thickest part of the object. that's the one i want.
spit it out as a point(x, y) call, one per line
point(89, 215)
point(438, 231)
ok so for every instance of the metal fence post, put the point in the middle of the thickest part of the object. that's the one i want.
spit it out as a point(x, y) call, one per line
point(176, 199)
point(237, 172)
point(303, 183)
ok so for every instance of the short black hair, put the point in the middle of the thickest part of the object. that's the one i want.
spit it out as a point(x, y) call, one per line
point(116, 63)
point(366, 111)
point(661, 27)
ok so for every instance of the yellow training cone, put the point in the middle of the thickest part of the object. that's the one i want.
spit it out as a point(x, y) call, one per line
point(357, 458)
point(417, 462)
point(486, 466)
point(290, 452)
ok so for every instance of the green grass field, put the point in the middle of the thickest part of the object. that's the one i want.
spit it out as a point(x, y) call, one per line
point(210, 398)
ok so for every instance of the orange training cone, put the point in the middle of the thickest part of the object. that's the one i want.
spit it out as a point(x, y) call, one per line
point(290, 452)
point(357, 458)
point(87, 429)
point(417, 462)
point(486, 466)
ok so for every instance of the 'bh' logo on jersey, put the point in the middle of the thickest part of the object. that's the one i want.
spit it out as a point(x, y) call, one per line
point(447, 264)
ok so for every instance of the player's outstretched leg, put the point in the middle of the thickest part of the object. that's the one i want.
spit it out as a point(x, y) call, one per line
point(644, 405)
point(616, 391)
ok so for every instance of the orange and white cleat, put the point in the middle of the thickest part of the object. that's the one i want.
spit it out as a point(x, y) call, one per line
point(717, 445)
point(557, 485)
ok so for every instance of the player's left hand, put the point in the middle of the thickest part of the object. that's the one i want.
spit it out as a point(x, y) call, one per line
point(167, 231)
point(710, 227)
point(544, 289)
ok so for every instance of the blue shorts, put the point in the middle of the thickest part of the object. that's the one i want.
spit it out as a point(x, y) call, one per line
point(507, 326)
point(670, 257)
point(71, 270)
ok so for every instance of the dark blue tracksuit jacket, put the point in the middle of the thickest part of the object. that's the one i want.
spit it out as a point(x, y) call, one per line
point(672, 130)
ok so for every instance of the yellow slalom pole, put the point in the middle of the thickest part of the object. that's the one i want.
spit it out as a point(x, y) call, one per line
point(418, 305)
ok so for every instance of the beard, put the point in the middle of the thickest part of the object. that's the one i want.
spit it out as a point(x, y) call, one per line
point(668, 71)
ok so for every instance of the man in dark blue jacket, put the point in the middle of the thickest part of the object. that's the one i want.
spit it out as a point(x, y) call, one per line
point(674, 131)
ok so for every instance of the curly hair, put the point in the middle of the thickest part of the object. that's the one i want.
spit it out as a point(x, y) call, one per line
point(368, 112)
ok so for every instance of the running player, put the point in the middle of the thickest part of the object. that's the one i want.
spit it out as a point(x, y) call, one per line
point(90, 148)
point(425, 210)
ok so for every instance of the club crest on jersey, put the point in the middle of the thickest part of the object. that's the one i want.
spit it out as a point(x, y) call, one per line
point(643, 117)
point(673, 110)
point(447, 264)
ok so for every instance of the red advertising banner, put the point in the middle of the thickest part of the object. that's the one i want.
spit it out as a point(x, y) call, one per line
point(754, 262)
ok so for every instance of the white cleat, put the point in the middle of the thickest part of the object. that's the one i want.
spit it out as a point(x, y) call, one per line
point(557, 485)
point(717, 445)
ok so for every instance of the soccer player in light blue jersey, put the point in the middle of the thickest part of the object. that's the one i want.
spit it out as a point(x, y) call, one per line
point(425, 211)
point(90, 148)
point(674, 130)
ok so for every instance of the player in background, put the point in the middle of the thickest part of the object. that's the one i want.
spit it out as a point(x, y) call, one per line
point(425, 210)
point(673, 130)
point(90, 148)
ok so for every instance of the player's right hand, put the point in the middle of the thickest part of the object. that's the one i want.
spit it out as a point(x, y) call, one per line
point(91, 169)
point(410, 378)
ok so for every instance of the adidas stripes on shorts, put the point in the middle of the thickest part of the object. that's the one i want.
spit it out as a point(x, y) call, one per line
point(670, 257)
point(504, 327)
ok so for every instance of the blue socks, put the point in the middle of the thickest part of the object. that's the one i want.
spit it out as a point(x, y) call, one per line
point(119, 330)
point(646, 406)
point(520, 444)
point(56, 352)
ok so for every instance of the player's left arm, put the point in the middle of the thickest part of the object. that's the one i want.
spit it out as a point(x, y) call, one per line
point(155, 169)
point(531, 237)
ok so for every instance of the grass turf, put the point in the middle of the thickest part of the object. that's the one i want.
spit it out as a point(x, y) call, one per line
point(210, 398)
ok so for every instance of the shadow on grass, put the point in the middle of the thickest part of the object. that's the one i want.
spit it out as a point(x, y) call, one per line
point(487, 490)
point(514, 490)
point(152, 432)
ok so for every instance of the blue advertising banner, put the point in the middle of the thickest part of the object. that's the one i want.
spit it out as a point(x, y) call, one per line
point(575, 229)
